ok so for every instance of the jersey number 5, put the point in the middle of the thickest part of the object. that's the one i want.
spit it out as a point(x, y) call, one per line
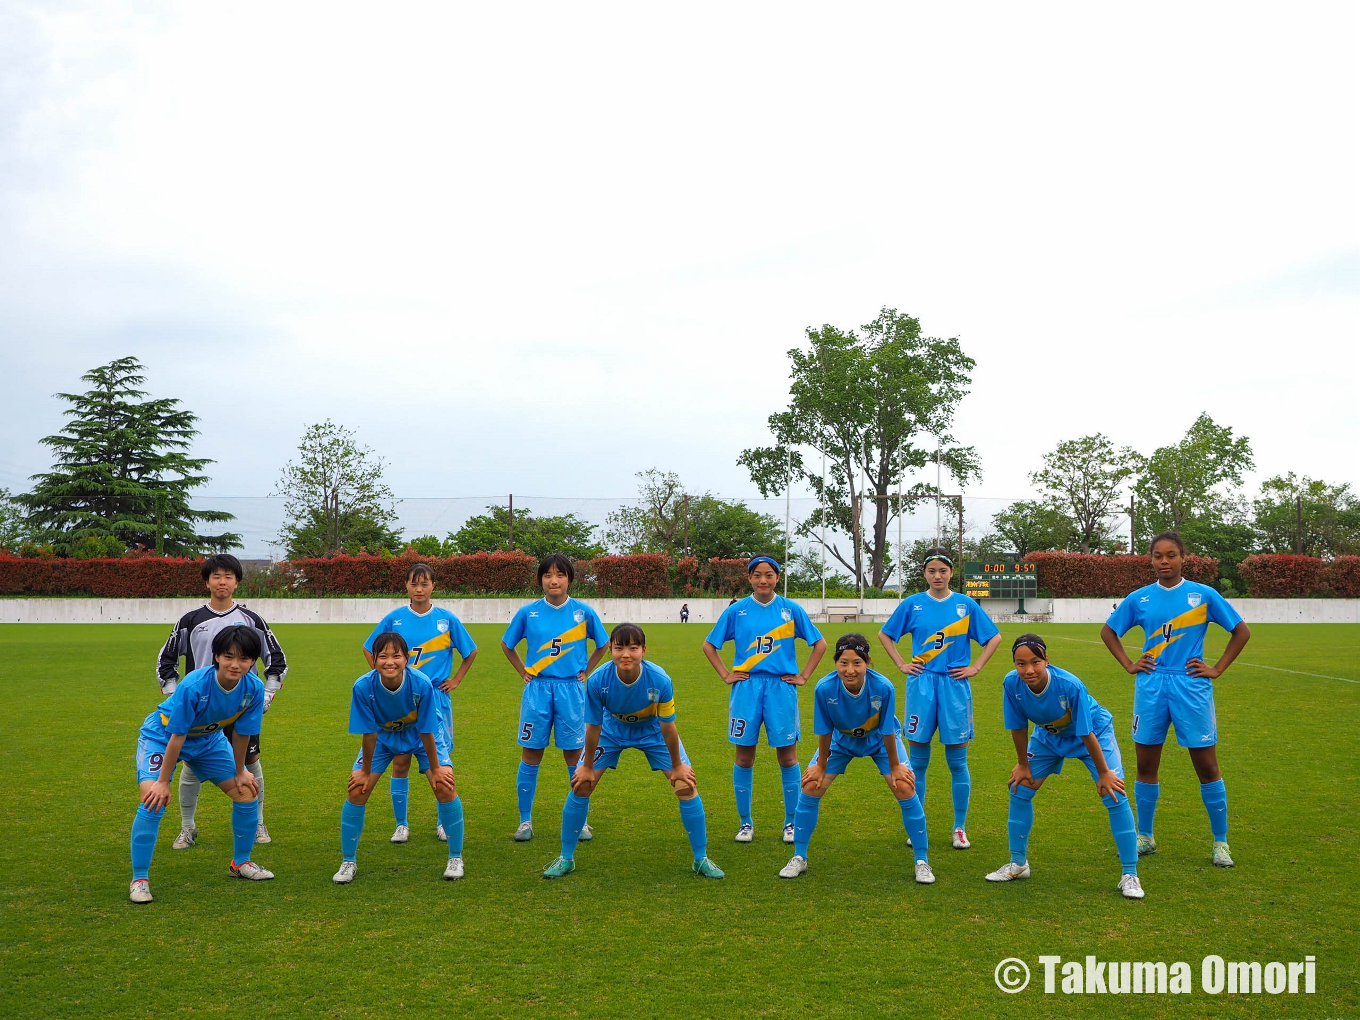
point(557, 646)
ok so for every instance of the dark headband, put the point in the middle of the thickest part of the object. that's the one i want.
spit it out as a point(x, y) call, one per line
point(758, 560)
point(937, 556)
point(1033, 642)
point(860, 647)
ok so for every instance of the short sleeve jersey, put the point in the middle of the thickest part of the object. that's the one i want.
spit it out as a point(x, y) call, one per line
point(1063, 714)
point(556, 637)
point(398, 717)
point(629, 710)
point(858, 723)
point(199, 707)
point(764, 635)
point(431, 638)
point(940, 629)
point(1174, 620)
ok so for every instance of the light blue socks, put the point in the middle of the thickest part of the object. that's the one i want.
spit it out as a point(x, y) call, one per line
point(804, 822)
point(1215, 797)
point(1125, 836)
point(696, 827)
point(401, 793)
point(957, 760)
point(914, 821)
point(741, 786)
point(920, 761)
point(1145, 796)
point(145, 825)
point(451, 817)
point(791, 776)
point(526, 785)
point(351, 828)
point(574, 813)
point(1020, 822)
point(244, 818)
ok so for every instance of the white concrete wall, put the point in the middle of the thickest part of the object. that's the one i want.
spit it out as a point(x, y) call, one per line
point(702, 611)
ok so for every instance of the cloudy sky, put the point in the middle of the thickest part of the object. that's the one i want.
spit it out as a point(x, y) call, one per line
point(537, 248)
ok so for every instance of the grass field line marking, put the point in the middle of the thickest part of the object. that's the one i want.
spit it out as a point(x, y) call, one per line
point(1240, 662)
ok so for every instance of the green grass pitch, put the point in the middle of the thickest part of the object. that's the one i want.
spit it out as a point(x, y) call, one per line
point(632, 933)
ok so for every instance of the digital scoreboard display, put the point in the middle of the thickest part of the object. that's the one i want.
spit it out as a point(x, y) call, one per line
point(1000, 579)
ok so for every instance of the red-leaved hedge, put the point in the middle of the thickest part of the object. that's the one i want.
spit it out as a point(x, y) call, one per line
point(646, 575)
point(132, 578)
point(1343, 577)
point(716, 577)
point(1089, 576)
point(1282, 575)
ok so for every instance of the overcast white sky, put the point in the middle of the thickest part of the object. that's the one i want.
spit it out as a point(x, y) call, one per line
point(537, 248)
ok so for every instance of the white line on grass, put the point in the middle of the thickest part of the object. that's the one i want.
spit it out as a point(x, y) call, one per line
point(1240, 662)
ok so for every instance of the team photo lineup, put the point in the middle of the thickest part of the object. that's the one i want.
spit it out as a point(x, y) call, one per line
point(593, 710)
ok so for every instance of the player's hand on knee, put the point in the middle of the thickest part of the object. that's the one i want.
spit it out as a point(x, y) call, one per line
point(156, 798)
point(361, 783)
point(813, 776)
point(903, 782)
point(583, 782)
point(247, 786)
point(1109, 784)
point(683, 780)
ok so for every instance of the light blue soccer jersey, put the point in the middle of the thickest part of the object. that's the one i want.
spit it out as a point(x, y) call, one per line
point(940, 629)
point(628, 711)
point(199, 707)
point(556, 637)
point(764, 635)
point(1063, 714)
point(432, 638)
point(858, 723)
point(398, 717)
point(1174, 620)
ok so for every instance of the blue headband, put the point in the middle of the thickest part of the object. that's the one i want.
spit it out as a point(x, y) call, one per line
point(938, 556)
point(758, 560)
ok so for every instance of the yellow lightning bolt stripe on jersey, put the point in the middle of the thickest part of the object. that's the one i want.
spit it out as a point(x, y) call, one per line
point(206, 728)
point(577, 633)
point(405, 720)
point(865, 728)
point(1056, 726)
point(1199, 616)
point(767, 642)
point(956, 629)
point(435, 644)
point(643, 714)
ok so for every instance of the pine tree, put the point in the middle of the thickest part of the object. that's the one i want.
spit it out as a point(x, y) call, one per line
point(122, 473)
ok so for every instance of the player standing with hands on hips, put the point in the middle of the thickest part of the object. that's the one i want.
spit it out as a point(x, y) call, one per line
point(1174, 685)
point(941, 624)
point(764, 679)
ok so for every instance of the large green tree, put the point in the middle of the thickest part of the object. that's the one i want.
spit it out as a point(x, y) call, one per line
point(1192, 487)
point(1029, 525)
point(668, 519)
point(13, 530)
point(122, 472)
point(1084, 479)
point(567, 534)
point(334, 497)
point(878, 402)
point(1308, 515)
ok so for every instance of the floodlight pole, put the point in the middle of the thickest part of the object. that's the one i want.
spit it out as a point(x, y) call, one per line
point(901, 557)
point(823, 509)
point(512, 521)
point(788, 502)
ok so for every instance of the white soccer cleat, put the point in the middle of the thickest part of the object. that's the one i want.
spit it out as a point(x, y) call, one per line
point(439, 834)
point(961, 840)
point(454, 869)
point(140, 891)
point(587, 834)
point(1009, 872)
point(348, 869)
point(252, 871)
point(909, 843)
point(1222, 858)
point(187, 837)
point(797, 865)
point(525, 832)
point(262, 834)
point(788, 833)
point(746, 833)
point(402, 834)
point(1131, 887)
point(924, 875)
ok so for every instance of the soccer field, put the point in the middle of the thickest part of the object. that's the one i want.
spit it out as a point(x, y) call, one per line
point(632, 933)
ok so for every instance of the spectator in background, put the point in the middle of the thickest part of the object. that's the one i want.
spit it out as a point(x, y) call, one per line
point(684, 613)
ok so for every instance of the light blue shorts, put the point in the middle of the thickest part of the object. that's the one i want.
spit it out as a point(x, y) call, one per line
point(1161, 699)
point(651, 744)
point(934, 701)
point(210, 757)
point(553, 707)
point(763, 699)
point(383, 755)
point(1045, 760)
point(443, 704)
point(840, 757)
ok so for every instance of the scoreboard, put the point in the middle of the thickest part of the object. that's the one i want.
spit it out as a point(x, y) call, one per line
point(1006, 578)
